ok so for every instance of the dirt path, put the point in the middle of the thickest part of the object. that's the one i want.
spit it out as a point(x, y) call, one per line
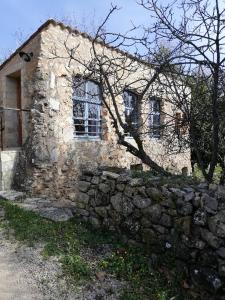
point(25, 275)
point(14, 280)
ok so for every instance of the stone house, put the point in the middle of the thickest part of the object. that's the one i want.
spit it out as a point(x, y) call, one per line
point(45, 140)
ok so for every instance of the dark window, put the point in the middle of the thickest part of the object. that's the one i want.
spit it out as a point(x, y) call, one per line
point(178, 123)
point(154, 120)
point(87, 103)
point(131, 108)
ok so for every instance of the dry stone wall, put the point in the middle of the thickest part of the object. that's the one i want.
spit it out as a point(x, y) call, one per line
point(188, 220)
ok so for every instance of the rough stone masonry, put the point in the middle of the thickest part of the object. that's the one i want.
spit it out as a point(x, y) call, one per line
point(188, 220)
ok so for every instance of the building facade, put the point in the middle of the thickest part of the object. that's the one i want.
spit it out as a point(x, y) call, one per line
point(51, 130)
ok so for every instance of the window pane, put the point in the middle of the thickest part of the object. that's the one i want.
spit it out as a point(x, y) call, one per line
point(93, 128)
point(156, 120)
point(78, 88)
point(131, 112)
point(126, 99)
point(93, 111)
point(78, 109)
point(93, 92)
point(79, 126)
point(86, 107)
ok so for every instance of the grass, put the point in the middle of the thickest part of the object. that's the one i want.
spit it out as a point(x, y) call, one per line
point(216, 178)
point(68, 240)
point(173, 180)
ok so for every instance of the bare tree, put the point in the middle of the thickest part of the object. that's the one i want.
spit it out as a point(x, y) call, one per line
point(198, 37)
point(196, 42)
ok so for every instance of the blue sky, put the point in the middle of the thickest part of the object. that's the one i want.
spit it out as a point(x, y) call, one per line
point(19, 18)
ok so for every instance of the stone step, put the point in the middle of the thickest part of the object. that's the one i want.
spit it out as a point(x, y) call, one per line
point(12, 195)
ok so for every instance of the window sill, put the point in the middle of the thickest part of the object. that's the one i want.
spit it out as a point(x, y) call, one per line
point(87, 138)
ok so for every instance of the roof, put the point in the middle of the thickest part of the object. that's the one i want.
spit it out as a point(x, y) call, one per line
point(71, 30)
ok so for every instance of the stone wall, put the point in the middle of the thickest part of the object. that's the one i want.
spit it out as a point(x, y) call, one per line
point(189, 220)
point(8, 168)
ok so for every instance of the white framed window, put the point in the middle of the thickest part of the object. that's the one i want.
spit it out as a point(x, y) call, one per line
point(154, 118)
point(87, 103)
point(131, 108)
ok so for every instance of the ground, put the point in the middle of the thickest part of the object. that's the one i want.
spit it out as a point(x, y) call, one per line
point(69, 260)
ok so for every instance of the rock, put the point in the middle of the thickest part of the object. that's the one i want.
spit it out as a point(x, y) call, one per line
point(83, 198)
point(199, 244)
point(94, 222)
point(206, 278)
point(142, 191)
point(95, 180)
point(122, 204)
point(200, 217)
point(210, 238)
point(141, 202)
point(149, 236)
point(127, 206)
point(210, 204)
point(72, 196)
point(56, 214)
point(102, 199)
point(115, 217)
point(83, 186)
point(221, 252)
point(136, 182)
point(145, 222)
point(111, 174)
point(130, 226)
point(203, 186)
point(183, 225)
point(129, 191)
point(123, 178)
point(188, 190)
point(171, 212)
point(105, 188)
point(153, 212)
point(155, 194)
point(184, 208)
point(213, 187)
point(177, 192)
point(91, 192)
point(196, 202)
point(165, 220)
point(101, 275)
point(116, 201)
point(189, 197)
point(221, 192)
point(82, 212)
point(217, 224)
point(160, 229)
point(120, 187)
point(222, 268)
point(101, 211)
point(168, 203)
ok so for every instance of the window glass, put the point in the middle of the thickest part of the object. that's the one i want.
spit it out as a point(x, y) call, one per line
point(154, 120)
point(86, 108)
point(131, 108)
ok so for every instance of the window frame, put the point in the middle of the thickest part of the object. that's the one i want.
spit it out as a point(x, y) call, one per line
point(86, 134)
point(153, 113)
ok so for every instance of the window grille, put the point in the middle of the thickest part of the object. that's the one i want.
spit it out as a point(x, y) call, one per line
point(87, 102)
